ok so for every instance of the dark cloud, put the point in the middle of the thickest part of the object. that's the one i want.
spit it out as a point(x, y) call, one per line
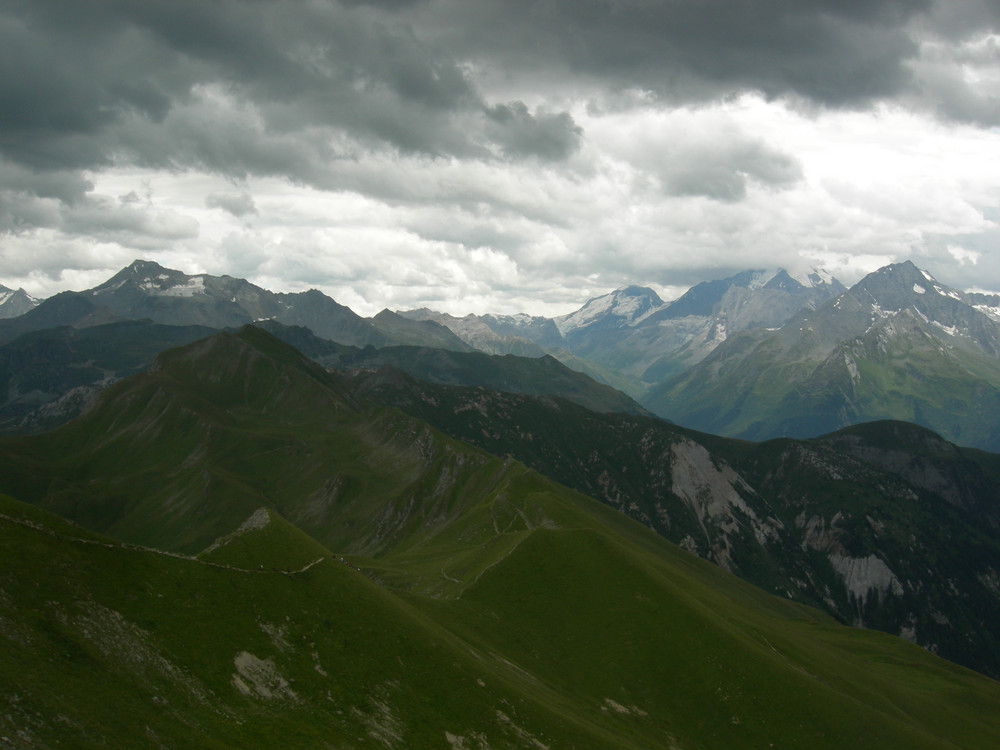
point(72, 75)
point(551, 137)
point(960, 19)
point(90, 85)
point(829, 51)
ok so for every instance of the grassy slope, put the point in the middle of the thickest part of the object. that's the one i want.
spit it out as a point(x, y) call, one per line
point(924, 507)
point(589, 634)
point(501, 609)
point(134, 648)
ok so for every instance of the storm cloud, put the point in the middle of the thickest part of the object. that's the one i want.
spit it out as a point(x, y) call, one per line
point(589, 142)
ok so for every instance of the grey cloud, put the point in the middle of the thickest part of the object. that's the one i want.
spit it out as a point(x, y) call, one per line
point(300, 90)
point(959, 80)
point(824, 50)
point(69, 76)
point(311, 91)
point(826, 53)
point(725, 176)
point(64, 202)
point(519, 133)
point(64, 185)
point(239, 204)
point(703, 153)
point(127, 225)
point(723, 171)
point(30, 198)
point(106, 82)
point(945, 90)
point(959, 19)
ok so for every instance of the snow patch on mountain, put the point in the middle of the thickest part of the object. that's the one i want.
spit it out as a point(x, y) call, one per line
point(760, 279)
point(630, 306)
point(993, 312)
point(953, 331)
point(587, 314)
point(195, 285)
point(108, 288)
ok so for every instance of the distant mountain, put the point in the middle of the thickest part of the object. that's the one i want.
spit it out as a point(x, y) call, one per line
point(623, 308)
point(400, 330)
point(532, 375)
point(535, 328)
point(66, 309)
point(755, 299)
point(633, 340)
point(847, 522)
point(475, 331)
point(897, 345)
point(15, 302)
point(627, 331)
point(47, 377)
point(145, 289)
point(342, 574)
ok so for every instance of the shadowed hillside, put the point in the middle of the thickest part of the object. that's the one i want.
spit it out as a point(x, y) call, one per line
point(364, 581)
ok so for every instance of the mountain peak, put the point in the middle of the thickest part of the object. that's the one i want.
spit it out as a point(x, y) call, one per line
point(146, 276)
point(15, 302)
point(618, 309)
point(139, 266)
point(703, 299)
point(633, 290)
point(252, 367)
point(900, 285)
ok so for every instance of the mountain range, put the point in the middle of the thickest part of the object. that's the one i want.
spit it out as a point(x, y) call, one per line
point(835, 522)
point(637, 338)
point(144, 290)
point(762, 355)
point(239, 547)
point(897, 345)
point(758, 355)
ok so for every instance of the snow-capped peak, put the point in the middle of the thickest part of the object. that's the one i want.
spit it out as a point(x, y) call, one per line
point(814, 277)
point(622, 307)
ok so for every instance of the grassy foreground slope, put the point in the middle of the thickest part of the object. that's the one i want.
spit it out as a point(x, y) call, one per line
point(479, 604)
point(576, 637)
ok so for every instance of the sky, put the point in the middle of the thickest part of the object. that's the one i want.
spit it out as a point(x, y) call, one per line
point(500, 156)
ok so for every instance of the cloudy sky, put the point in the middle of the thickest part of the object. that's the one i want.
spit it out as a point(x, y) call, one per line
point(497, 156)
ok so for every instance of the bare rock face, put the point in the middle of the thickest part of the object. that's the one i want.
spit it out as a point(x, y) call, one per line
point(864, 575)
point(713, 491)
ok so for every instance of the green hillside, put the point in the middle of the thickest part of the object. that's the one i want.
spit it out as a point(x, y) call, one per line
point(576, 637)
point(884, 525)
point(397, 590)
